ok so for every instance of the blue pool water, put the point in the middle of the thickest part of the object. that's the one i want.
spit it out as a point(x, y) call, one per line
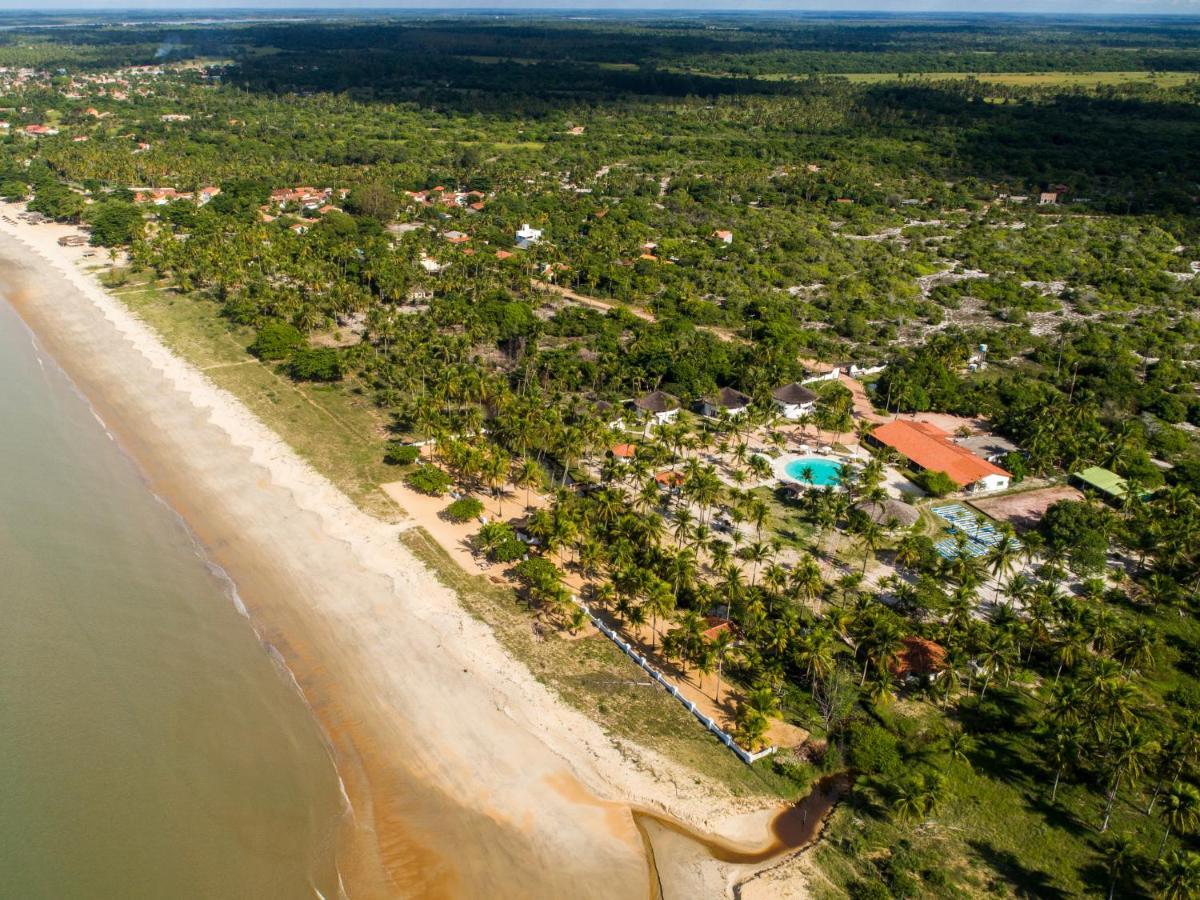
point(815, 471)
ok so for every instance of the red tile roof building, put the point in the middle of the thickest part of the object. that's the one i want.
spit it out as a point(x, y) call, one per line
point(919, 657)
point(928, 447)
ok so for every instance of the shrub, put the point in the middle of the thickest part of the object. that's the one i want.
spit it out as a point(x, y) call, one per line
point(509, 550)
point(937, 483)
point(399, 453)
point(276, 340)
point(114, 223)
point(539, 573)
point(429, 480)
point(873, 750)
point(14, 190)
point(464, 509)
point(500, 542)
point(870, 890)
point(321, 364)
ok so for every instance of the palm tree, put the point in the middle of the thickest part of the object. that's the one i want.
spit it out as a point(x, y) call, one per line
point(529, 476)
point(958, 745)
point(996, 657)
point(754, 714)
point(881, 644)
point(1179, 876)
point(1127, 754)
point(660, 602)
point(1063, 751)
point(1002, 557)
point(871, 535)
point(816, 651)
point(720, 649)
point(805, 581)
point(908, 798)
point(1180, 811)
point(1119, 857)
point(495, 471)
point(756, 553)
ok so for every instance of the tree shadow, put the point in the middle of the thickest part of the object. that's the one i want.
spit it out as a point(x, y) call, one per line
point(1057, 816)
point(1024, 880)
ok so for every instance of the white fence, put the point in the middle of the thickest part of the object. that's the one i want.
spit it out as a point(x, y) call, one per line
point(725, 738)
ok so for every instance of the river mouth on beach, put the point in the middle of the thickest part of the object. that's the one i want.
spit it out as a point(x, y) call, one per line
point(444, 763)
point(794, 828)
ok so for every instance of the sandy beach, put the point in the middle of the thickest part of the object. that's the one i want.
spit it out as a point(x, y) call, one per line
point(464, 775)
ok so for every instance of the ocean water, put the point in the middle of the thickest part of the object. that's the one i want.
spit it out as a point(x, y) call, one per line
point(149, 745)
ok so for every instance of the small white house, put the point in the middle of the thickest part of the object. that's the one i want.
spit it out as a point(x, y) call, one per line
point(794, 400)
point(658, 407)
point(727, 399)
point(527, 236)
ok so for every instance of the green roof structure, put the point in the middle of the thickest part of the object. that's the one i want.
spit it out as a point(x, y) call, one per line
point(1102, 480)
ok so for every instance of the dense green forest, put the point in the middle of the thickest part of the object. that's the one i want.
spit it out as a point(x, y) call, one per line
point(715, 205)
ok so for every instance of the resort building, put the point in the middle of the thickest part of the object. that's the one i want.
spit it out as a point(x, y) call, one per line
point(794, 400)
point(889, 513)
point(658, 407)
point(1108, 484)
point(727, 399)
point(928, 448)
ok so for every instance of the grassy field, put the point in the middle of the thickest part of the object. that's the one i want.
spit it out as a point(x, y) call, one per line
point(996, 833)
point(341, 434)
point(334, 427)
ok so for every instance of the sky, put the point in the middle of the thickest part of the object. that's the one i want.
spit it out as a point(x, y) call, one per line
point(1096, 7)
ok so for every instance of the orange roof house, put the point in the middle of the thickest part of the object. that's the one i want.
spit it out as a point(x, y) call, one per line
point(919, 657)
point(716, 625)
point(669, 479)
point(624, 451)
point(929, 448)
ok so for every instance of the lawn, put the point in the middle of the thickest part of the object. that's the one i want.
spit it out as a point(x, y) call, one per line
point(334, 427)
point(996, 831)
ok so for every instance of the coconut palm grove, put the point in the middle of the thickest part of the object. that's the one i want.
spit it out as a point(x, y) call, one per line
point(838, 370)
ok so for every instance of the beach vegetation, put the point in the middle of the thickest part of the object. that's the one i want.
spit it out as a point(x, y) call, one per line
point(315, 364)
point(431, 480)
point(464, 509)
point(276, 341)
point(1018, 251)
point(114, 223)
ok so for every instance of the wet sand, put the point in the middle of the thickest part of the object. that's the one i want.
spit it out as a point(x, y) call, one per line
point(464, 776)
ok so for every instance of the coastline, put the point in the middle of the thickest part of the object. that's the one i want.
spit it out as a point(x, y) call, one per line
point(442, 741)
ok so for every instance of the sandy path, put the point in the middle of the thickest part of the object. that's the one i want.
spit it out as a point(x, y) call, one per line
point(464, 772)
point(593, 302)
point(640, 312)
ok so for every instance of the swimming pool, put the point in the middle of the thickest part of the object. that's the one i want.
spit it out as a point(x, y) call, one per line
point(815, 471)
